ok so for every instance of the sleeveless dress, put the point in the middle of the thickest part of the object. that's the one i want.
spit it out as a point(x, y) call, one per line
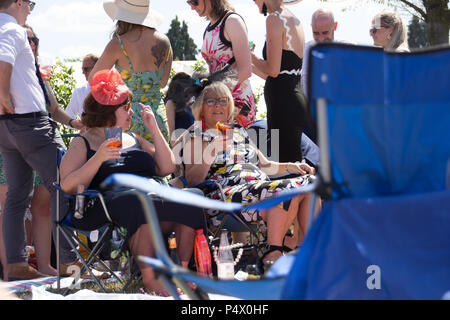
point(286, 103)
point(217, 51)
point(123, 206)
point(146, 89)
point(242, 181)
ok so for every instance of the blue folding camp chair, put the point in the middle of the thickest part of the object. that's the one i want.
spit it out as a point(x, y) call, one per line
point(171, 274)
point(101, 244)
point(384, 136)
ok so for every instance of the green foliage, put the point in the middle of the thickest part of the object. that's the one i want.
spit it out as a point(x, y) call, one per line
point(200, 66)
point(62, 82)
point(259, 93)
point(417, 34)
point(183, 47)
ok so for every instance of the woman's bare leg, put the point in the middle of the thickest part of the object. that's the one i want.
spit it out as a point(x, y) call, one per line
point(140, 244)
point(42, 229)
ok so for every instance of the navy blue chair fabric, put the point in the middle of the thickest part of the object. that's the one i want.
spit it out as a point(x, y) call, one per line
point(310, 150)
point(385, 232)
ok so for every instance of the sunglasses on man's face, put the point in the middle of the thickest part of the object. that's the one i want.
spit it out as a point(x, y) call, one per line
point(86, 69)
point(35, 40)
point(192, 2)
point(31, 4)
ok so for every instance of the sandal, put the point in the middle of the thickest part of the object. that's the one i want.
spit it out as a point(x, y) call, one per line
point(266, 265)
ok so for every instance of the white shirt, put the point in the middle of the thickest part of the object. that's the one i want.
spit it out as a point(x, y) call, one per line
point(76, 104)
point(304, 71)
point(26, 93)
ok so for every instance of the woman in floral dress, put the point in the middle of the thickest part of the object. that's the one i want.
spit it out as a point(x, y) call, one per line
point(243, 171)
point(143, 56)
point(225, 42)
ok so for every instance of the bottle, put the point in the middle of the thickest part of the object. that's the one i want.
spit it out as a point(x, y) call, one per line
point(79, 203)
point(225, 260)
point(173, 249)
point(202, 254)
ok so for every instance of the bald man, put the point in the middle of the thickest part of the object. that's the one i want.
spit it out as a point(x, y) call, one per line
point(323, 27)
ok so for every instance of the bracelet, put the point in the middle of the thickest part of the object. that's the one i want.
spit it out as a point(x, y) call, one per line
point(70, 122)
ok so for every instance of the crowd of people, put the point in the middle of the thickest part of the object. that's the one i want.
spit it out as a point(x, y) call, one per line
point(124, 88)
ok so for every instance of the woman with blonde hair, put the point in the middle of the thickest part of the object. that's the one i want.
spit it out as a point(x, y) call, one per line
point(389, 32)
point(230, 159)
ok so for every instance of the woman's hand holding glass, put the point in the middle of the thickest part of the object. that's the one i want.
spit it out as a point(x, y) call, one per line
point(113, 137)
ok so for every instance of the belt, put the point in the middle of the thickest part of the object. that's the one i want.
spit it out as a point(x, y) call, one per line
point(23, 115)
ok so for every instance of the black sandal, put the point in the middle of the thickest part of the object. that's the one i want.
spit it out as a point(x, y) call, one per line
point(266, 265)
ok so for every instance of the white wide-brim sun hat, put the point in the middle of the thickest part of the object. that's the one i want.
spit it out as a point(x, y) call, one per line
point(133, 11)
point(291, 1)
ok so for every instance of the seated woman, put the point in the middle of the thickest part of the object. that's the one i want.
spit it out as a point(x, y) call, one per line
point(243, 171)
point(90, 160)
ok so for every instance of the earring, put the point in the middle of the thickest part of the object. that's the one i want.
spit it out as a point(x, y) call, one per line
point(203, 123)
point(264, 9)
point(389, 37)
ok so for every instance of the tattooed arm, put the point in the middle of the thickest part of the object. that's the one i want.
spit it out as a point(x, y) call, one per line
point(162, 52)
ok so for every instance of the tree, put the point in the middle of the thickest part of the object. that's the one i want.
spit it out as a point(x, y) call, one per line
point(435, 14)
point(417, 34)
point(62, 82)
point(183, 47)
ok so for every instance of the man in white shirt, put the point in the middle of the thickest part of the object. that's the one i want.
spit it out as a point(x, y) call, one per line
point(323, 28)
point(75, 106)
point(29, 139)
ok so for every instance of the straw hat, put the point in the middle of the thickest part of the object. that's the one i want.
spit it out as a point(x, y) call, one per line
point(133, 11)
point(291, 1)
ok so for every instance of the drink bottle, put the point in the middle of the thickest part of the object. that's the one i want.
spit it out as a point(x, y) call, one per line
point(225, 260)
point(173, 249)
point(202, 254)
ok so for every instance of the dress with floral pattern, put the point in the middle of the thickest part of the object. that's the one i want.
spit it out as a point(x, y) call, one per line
point(217, 51)
point(146, 89)
point(242, 181)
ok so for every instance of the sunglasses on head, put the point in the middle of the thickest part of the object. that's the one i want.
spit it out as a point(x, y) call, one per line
point(211, 102)
point(192, 2)
point(35, 40)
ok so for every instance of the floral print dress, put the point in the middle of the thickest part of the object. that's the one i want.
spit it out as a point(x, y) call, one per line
point(217, 51)
point(241, 179)
point(146, 89)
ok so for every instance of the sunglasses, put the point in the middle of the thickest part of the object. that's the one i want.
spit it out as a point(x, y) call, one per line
point(211, 102)
point(32, 4)
point(127, 106)
point(193, 2)
point(86, 69)
point(35, 40)
point(374, 30)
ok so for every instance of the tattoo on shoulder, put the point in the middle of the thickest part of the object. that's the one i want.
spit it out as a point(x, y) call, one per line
point(160, 51)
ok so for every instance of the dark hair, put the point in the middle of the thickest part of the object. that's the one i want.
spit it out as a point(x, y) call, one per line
point(4, 4)
point(98, 115)
point(220, 7)
point(34, 35)
point(177, 91)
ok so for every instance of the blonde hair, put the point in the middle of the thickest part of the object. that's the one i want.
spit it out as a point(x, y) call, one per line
point(221, 90)
point(398, 36)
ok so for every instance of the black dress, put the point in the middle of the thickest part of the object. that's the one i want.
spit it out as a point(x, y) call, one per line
point(286, 105)
point(123, 206)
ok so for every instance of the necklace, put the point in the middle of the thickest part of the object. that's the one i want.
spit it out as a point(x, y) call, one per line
point(229, 247)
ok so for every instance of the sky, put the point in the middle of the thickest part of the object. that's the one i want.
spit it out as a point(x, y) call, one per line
point(73, 28)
